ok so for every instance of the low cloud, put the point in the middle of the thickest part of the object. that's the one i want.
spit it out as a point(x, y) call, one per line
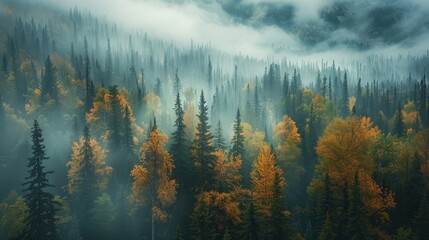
point(273, 27)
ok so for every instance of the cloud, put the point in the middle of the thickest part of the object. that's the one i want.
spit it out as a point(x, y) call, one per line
point(189, 21)
point(265, 28)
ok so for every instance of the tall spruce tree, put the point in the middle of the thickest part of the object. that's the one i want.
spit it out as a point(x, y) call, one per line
point(40, 223)
point(358, 222)
point(202, 149)
point(345, 98)
point(218, 139)
point(399, 128)
point(48, 87)
point(238, 138)
point(85, 199)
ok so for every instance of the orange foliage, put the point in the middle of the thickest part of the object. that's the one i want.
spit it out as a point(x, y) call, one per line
point(344, 148)
point(344, 151)
point(101, 169)
point(263, 178)
point(227, 173)
point(153, 176)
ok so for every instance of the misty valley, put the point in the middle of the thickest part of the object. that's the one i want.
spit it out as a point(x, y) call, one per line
point(214, 120)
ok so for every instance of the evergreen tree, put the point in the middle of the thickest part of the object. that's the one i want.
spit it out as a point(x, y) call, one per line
point(48, 83)
point(421, 221)
point(115, 119)
point(183, 171)
point(88, 187)
point(202, 149)
point(250, 227)
point(358, 223)
point(88, 83)
point(177, 85)
point(279, 221)
point(345, 98)
point(109, 63)
point(399, 128)
point(218, 139)
point(40, 223)
point(210, 75)
point(238, 138)
point(327, 232)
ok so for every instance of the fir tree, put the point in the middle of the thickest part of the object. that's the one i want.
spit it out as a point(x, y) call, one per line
point(218, 139)
point(421, 220)
point(177, 84)
point(250, 229)
point(40, 223)
point(115, 119)
point(202, 149)
point(399, 128)
point(358, 223)
point(48, 82)
point(345, 98)
point(88, 192)
point(238, 138)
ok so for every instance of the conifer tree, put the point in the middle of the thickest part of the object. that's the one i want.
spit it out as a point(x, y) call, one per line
point(345, 98)
point(238, 138)
point(152, 178)
point(48, 82)
point(218, 139)
point(399, 128)
point(202, 150)
point(40, 223)
point(358, 223)
point(88, 187)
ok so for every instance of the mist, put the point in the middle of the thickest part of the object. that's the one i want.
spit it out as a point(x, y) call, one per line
point(213, 91)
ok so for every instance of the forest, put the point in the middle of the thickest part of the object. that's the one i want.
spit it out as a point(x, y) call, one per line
point(111, 132)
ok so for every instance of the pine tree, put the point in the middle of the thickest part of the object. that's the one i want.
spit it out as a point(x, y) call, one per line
point(238, 138)
point(421, 220)
point(115, 119)
point(358, 223)
point(327, 232)
point(109, 63)
point(345, 98)
point(183, 171)
point(177, 85)
point(40, 223)
point(210, 75)
point(48, 82)
point(399, 128)
point(218, 139)
point(250, 227)
point(279, 222)
point(88, 187)
point(88, 83)
point(202, 150)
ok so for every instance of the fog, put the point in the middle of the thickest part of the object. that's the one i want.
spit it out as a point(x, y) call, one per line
point(265, 58)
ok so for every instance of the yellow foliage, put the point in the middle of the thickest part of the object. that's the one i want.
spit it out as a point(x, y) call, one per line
point(253, 140)
point(190, 119)
point(287, 136)
point(263, 178)
point(153, 103)
point(101, 169)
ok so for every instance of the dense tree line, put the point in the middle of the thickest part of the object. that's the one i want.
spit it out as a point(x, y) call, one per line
point(165, 143)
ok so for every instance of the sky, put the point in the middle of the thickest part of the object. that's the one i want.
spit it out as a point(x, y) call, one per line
point(266, 28)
